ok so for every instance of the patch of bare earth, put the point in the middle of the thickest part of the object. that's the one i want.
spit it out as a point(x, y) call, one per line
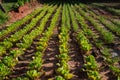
point(23, 11)
point(50, 59)
point(76, 60)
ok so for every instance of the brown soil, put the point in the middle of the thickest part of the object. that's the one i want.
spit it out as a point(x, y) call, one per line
point(115, 46)
point(49, 66)
point(23, 11)
point(22, 66)
point(50, 59)
point(76, 62)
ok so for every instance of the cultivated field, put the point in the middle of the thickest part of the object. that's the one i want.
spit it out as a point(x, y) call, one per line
point(62, 41)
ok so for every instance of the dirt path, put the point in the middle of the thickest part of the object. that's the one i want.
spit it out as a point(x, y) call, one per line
point(76, 61)
point(50, 59)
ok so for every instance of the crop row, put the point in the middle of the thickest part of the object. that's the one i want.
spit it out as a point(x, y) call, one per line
point(109, 9)
point(111, 26)
point(90, 65)
point(14, 26)
point(107, 36)
point(100, 45)
point(35, 67)
point(117, 23)
point(8, 42)
point(109, 61)
point(80, 37)
point(63, 69)
point(113, 10)
point(28, 39)
point(72, 17)
point(12, 59)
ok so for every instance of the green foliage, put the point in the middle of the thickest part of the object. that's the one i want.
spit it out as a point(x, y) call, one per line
point(91, 64)
point(17, 24)
point(74, 21)
point(93, 75)
point(105, 52)
point(2, 50)
point(6, 44)
point(64, 72)
point(33, 74)
point(36, 63)
point(63, 56)
point(91, 68)
point(110, 25)
point(113, 10)
point(21, 3)
point(8, 6)
point(28, 39)
point(59, 78)
point(117, 23)
point(115, 70)
point(83, 41)
point(63, 69)
point(107, 36)
point(9, 61)
point(3, 17)
point(16, 53)
point(35, 66)
point(4, 71)
point(84, 26)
